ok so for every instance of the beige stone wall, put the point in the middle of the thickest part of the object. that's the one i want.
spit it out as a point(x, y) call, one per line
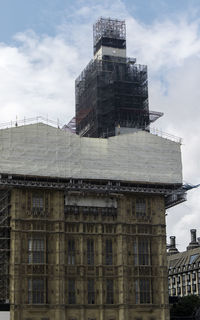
point(58, 224)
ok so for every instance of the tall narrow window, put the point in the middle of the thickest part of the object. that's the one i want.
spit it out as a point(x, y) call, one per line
point(109, 252)
point(135, 252)
point(36, 291)
point(140, 207)
point(141, 251)
point(109, 291)
point(145, 291)
point(90, 251)
point(37, 201)
point(29, 291)
point(91, 292)
point(71, 251)
point(36, 251)
point(142, 291)
point(71, 291)
point(137, 292)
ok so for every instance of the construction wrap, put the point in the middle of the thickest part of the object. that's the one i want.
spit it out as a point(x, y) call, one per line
point(43, 150)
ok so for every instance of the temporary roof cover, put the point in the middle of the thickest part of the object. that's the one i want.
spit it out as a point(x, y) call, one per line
point(43, 150)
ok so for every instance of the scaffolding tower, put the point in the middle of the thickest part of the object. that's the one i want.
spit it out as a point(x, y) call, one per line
point(112, 91)
point(4, 248)
point(109, 32)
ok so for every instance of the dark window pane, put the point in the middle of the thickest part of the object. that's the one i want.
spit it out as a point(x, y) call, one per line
point(36, 251)
point(90, 251)
point(109, 252)
point(109, 291)
point(91, 292)
point(36, 291)
point(142, 291)
point(141, 251)
point(71, 291)
point(71, 251)
point(37, 201)
point(140, 207)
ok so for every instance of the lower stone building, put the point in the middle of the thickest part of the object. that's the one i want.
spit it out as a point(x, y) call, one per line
point(184, 268)
point(101, 258)
point(85, 240)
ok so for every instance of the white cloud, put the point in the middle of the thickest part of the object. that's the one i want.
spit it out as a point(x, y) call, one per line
point(37, 78)
point(163, 45)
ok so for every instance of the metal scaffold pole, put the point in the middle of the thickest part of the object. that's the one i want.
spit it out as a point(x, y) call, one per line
point(4, 248)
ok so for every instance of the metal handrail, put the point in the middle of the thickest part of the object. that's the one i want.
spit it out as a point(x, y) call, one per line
point(26, 121)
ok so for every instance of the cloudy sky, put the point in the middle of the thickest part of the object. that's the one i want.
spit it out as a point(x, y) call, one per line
point(44, 45)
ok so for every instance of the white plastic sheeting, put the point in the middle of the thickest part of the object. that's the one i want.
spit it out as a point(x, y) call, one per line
point(42, 150)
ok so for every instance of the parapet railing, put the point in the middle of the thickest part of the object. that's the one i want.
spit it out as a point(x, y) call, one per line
point(57, 124)
point(153, 131)
point(165, 135)
point(26, 121)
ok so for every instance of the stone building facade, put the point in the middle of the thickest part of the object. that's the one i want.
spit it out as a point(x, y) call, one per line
point(101, 258)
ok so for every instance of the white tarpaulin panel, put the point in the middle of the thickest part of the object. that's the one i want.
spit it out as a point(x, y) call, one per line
point(42, 150)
